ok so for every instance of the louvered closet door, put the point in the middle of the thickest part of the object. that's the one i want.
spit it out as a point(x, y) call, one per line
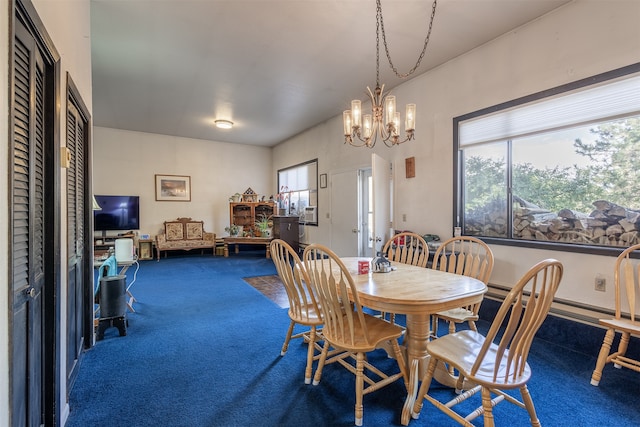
point(27, 238)
point(75, 237)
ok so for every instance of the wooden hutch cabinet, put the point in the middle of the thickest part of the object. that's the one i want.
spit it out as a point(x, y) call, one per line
point(245, 214)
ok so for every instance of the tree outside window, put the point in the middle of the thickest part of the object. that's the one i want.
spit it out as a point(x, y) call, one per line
point(575, 184)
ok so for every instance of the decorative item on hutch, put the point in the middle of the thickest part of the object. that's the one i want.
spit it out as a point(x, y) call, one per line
point(264, 225)
point(282, 199)
point(249, 195)
point(233, 229)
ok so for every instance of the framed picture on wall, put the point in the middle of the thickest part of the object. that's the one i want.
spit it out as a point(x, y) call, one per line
point(173, 188)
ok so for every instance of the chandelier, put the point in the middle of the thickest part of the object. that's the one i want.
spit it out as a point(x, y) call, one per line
point(384, 122)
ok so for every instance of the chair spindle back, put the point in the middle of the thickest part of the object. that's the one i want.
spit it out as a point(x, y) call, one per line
point(519, 318)
point(626, 277)
point(407, 248)
point(337, 295)
point(465, 255)
point(302, 301)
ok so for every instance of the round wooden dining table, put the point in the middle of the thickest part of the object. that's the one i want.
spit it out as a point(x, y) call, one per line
point(418, 293)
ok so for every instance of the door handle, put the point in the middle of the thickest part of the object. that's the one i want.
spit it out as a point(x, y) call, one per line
point(31, 292)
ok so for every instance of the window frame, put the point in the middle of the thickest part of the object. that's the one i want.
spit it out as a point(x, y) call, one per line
point(458, 179)
point(313, 189)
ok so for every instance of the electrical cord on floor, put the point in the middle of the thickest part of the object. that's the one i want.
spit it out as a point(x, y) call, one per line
point(135, 273)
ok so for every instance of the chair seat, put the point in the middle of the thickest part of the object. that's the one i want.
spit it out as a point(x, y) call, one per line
point(460, 349)
point(378, 330)
point(458, 315)
point(308, 316)
point(622, 325)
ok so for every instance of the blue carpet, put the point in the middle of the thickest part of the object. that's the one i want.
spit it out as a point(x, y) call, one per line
point(203, 349)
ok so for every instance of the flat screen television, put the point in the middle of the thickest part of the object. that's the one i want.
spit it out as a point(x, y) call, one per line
point(117, 213)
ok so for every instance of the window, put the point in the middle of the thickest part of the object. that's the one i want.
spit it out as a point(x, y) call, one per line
point(298, 191)
point(558, 168)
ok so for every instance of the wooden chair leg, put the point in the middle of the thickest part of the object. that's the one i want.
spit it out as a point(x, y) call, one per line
point(424, 388)
point(285, 346)
point(528, 404)
point(459, 383)
point(359, 411)
point(401, 363)
point(434, 326)
point(622, 347)
point(488, 407)
point(323, 359)
point(452, 330)
point(602, 357)
point(452, 327)
point(310, 351)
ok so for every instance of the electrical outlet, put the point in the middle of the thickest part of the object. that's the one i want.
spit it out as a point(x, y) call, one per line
point(404, 217)
point(600, 284)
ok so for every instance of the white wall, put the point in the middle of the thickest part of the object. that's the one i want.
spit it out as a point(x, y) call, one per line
point(126, 162)
point(582, 39)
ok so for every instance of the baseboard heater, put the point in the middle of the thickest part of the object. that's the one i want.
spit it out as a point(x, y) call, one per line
point(570, 310)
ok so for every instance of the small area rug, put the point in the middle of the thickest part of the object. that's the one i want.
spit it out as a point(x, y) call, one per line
point(271, 287)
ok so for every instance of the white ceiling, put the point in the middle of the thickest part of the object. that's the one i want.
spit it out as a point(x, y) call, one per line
point(274, 67)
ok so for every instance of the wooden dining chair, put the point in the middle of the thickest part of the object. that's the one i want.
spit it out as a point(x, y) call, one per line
point(348, 328)
point(406, 248)
point(627, 285)
point(303, 306)
point(498, 361)
point(467, 256)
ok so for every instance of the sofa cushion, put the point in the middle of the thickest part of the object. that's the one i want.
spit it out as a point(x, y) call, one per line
point(174, 231)
point(194, 230)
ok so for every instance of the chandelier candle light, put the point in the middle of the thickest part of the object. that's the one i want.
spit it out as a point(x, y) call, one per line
point(364, 130)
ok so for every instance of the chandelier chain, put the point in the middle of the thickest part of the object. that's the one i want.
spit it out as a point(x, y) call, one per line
point(378, 14)
point(380, 25)
point(364, 130)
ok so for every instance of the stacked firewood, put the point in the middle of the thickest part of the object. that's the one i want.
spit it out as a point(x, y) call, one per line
point(608, 224)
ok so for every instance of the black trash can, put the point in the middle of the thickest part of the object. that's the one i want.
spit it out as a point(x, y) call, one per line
point(113, 302)
point(113, 305)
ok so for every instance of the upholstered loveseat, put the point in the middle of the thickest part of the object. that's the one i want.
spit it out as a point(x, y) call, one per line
point(184, 234)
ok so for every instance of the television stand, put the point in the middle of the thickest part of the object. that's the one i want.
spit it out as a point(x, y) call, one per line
point(102, 244)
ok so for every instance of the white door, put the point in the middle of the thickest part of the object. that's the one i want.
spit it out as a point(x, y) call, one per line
point(381, 178)
point(345, 228)
point(366, 212)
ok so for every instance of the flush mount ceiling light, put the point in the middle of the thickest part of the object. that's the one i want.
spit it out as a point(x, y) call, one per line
point(224, 124)
point(367, 128)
